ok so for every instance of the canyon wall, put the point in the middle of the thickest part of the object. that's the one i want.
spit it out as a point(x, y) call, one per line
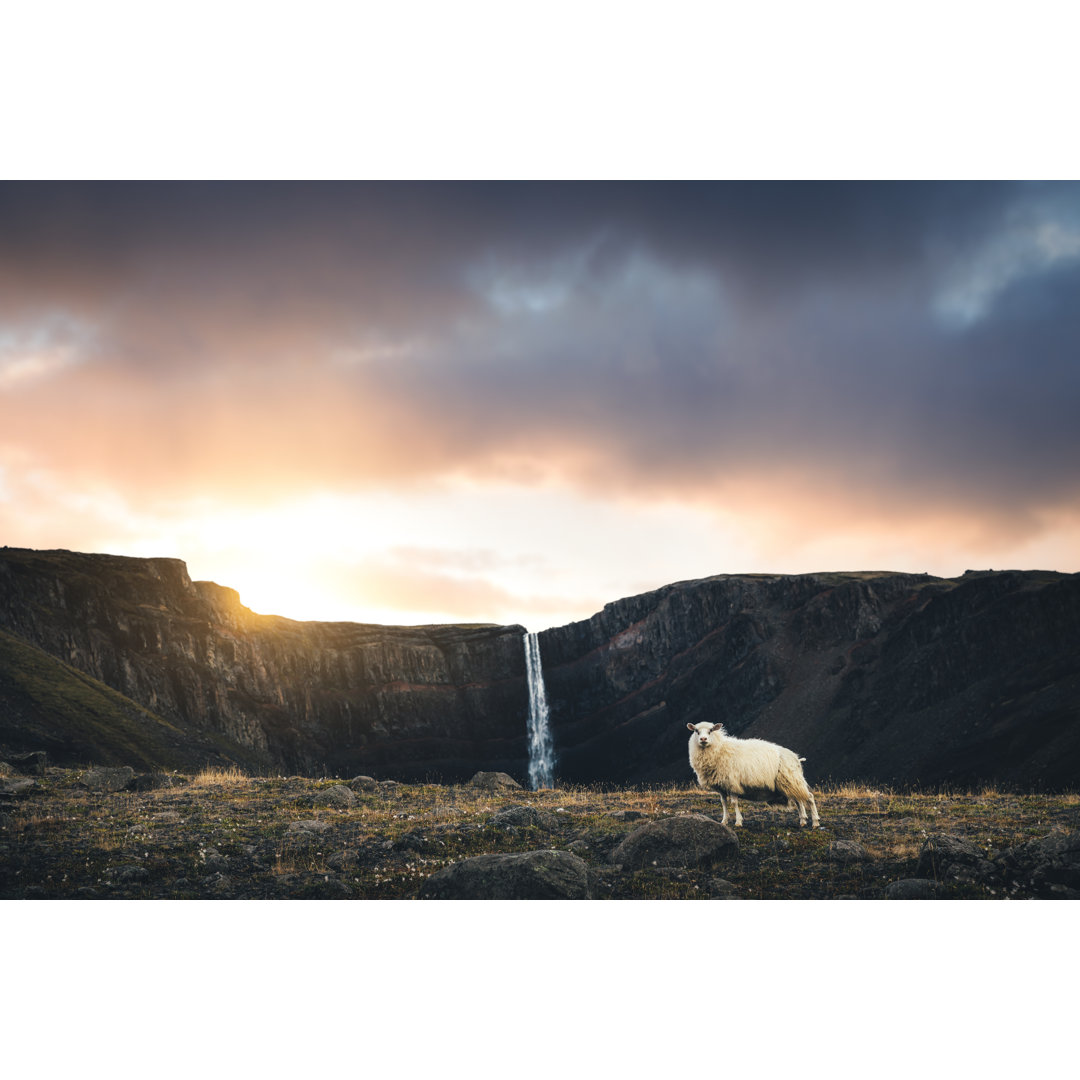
point(880, 677)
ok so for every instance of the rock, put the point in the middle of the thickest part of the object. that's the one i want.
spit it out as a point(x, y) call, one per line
point(368, 785)
point(847, 851)
point(338, 796)
point(108, 779)
point(951, 858)
point(212, 859)
point(389, 789)
point(521, 816)
point(9, 789)
point(684, 840)
point(1050, 866)
point(414, 840)
point(494, 781)
point(151, 781)
point(167, 817)
point(532, 875)
point(127, 875)
point(911, 889)
point(722, 889)
point(624, 815)
point(304, 834)
point(578, 847)
point(31, 763)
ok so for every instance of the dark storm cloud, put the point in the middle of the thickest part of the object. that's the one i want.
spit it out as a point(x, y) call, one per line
point(919, 339)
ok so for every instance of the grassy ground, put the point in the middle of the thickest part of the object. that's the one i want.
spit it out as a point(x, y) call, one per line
point(225, 835)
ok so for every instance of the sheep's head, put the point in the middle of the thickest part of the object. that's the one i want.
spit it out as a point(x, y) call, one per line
point(703, 731)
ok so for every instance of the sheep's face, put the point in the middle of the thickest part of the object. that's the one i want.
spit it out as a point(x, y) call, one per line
point(703, 732)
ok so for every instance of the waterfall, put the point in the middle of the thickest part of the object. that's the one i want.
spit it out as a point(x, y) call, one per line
point(541, 748)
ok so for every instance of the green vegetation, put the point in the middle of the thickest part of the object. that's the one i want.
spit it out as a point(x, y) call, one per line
point(50, 703)
point(221, 834)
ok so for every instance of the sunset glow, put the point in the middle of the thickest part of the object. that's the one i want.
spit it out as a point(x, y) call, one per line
point(515, 403)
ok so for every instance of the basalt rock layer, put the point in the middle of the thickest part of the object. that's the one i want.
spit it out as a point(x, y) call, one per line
point(260, 691)
point(880, 677)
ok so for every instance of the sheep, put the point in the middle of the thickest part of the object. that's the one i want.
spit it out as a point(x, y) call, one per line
point(750, 768)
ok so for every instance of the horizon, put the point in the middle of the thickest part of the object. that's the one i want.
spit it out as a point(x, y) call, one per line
point(513, 403)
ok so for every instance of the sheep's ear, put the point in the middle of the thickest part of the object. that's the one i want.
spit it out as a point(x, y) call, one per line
point(717, 727)
point(690, 727)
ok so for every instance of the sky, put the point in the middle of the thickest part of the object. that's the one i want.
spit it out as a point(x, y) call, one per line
point(515, 402)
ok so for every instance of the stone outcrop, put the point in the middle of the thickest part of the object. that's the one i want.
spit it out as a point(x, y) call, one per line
point(530, 875)
point(887, 678)
point(683, 840)
point(262, 691)
point(876, 677)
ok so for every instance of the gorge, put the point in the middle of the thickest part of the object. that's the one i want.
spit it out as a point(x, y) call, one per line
point(872, 676)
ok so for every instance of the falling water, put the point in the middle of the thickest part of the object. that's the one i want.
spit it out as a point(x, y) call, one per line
point(541, 748)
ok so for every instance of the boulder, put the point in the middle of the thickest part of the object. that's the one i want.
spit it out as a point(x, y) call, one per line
point(847, 851)
point(519, 816)
point(304, 834)
point(31, 763)
point(951, 858)
point(494, 781)
point(722, 889)
point(683, 840)
point(531, 875)
point(108, 779)
point(129, 874)
point(338, 796)
point(367, 785)
point(911, 889)
point(151, 781)
point(21, 786)
point(1050, 866)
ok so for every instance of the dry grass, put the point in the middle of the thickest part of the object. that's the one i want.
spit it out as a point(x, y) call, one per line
point(214, 777)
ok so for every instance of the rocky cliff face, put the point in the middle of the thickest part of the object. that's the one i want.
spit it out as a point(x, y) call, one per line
point(880, 677)
point(889, 678)
point(299, 697)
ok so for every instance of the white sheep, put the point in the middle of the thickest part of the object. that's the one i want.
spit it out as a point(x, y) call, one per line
point(750, 769)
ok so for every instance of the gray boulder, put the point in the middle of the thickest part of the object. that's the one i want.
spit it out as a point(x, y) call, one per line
point(151, 781)
point(303, 834)
point(911, 889)
point(1050, 866)
point(518, 816)
point(494, 781)
point(108, 779)
point(847, 851)
point(30, 763)
point(338, 796)
point(16, 786)
point(951, 858)
point(531, 875)
point(367, 785)
point(684, 840)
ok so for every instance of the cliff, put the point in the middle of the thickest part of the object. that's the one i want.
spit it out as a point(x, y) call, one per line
point(269, 692)
point(879, 677)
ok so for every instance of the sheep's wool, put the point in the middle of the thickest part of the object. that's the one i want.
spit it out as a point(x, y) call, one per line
point(752, 769)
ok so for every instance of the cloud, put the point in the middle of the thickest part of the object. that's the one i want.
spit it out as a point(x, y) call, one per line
point(886, 351)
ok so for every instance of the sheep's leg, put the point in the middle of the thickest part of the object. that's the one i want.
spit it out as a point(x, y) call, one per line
point(802, 812)
point(723, 820)
point(813, 809)
point(735, 806)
